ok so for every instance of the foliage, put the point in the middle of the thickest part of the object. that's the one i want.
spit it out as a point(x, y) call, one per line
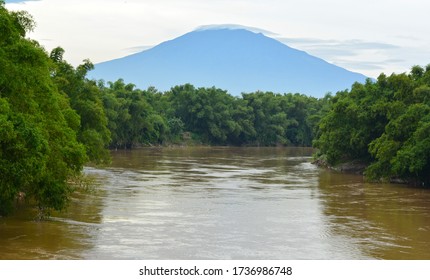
point(211, 115)
point(86, 99)
point(38, 144)
point(204, 111)
point(132, 120)
point(384, 123)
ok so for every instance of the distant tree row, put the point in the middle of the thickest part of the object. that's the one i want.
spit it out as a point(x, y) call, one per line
point(383, 123)
point(208, 116)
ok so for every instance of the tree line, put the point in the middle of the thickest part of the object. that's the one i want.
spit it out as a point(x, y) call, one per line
point(207, 115)
point(117, 115)
point(384, 124)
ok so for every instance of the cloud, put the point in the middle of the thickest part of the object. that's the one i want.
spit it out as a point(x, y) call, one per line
point(137, 49)
point(355, 55)
point(377, 66)
point(338, 45)
point(237, 26)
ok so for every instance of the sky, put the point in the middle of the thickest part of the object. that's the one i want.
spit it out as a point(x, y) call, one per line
point(365, 36)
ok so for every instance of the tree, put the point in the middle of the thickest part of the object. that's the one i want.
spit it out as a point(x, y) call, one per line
point(383, 123)
point(403, 150)
point(271, 119)
point(86, 99)
point(355, 119)
point(39, 150)
point(206, 112)
point(131, 118)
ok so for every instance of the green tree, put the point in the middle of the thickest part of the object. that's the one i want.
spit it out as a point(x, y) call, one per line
point(86, 99)
point(355, 119)
point(403, 150)
point(39, 150)
point(383, 123)
point(131, 118)
point(207, 112)
point(271, 121)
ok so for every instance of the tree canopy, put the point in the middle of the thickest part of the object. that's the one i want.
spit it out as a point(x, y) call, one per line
point(209, 116)
point(39, 149)
point(86, 99)
point(384, 123)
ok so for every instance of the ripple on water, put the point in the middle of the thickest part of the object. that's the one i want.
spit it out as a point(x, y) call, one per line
point(227, 203)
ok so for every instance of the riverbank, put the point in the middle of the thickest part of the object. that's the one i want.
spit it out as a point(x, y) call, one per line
point(352, 167)
point(359, 167)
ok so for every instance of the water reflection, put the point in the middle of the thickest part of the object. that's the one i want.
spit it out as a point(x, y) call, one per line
point(387, 221)
point(65, 236)
point(226, 203)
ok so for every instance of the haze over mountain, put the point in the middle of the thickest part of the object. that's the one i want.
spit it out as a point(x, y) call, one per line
point(237, 60)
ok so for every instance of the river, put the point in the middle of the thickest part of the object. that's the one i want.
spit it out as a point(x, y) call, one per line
point(226, 203)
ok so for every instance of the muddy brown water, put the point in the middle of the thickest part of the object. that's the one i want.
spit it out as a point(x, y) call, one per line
point(226, 203)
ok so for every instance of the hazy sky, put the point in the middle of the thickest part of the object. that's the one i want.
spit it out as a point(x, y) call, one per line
point(366, 36)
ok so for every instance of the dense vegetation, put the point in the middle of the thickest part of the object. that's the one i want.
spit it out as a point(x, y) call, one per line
point(207, 116)
point(39, 149)
point(53, 120)
point(385, 124)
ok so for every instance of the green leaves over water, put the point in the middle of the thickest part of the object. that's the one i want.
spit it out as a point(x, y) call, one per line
point(385, 123)
point(38, 149)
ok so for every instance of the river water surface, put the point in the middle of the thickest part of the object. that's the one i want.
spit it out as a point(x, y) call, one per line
point(226, 203)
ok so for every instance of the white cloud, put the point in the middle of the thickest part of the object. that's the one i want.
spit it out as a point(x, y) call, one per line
point(364, 36)
point(236, 26)
point(361, 56)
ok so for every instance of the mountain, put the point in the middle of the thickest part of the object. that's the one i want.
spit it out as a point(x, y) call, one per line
point(237, 60)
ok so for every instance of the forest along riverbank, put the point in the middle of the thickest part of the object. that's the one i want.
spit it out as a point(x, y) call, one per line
point(226, 203)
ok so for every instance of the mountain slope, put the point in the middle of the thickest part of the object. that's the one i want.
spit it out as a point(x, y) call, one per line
point(237, 60)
